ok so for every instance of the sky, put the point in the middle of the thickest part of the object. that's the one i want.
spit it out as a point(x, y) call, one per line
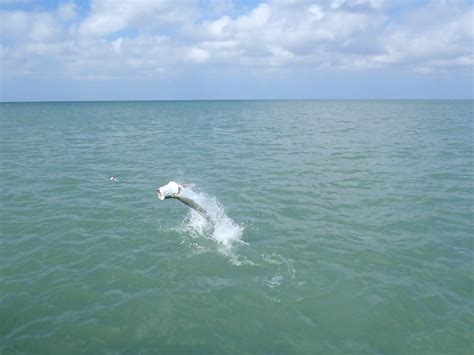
point(228, 49)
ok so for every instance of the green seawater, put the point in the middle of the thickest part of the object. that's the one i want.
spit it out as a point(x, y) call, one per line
point(348, 228)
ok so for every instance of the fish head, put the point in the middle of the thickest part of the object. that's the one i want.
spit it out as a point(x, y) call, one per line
point(170, 190)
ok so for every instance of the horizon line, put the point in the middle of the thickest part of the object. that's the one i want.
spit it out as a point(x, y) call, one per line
point(191, 100)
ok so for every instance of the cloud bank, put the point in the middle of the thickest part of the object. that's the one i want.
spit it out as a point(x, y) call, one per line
point(106, 39)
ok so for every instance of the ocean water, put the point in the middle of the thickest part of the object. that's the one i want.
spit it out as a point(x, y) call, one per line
point(344, 227)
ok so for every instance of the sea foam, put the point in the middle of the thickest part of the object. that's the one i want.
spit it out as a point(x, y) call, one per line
point(221, 228)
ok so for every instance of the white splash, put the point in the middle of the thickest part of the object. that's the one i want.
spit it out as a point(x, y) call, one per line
point(222, 229)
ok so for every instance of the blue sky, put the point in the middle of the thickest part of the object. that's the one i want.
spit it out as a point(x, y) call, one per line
point(155, 50)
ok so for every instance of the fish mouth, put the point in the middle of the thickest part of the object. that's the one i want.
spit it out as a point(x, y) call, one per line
point(160, 194)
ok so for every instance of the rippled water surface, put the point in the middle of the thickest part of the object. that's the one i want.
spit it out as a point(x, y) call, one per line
point(347, 227)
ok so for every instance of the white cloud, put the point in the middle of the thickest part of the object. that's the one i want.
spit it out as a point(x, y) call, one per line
point(216, 28)
point(316, 11)
point(142, 37)
point(21, 26)
point(110, 16)
point(376, 4)
point(117, 45)
point(256, 19)
point(198, 55)
point(67, 11)
point(420, 42)
point(13, 24)
point(44, 27)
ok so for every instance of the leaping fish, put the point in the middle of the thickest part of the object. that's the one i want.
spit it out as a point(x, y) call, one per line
point(181, 193)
